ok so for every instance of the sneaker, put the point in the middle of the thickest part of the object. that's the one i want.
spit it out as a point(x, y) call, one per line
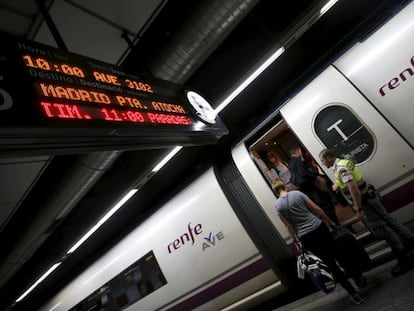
point(361, 282)
point(356, 298)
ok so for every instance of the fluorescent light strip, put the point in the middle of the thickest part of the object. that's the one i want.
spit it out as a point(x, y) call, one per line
point(102, 220)
point(167, 158)
point(327, 6)
point(104, 268)
point(250, 79)
point(55, 306)
point(263, 67)
point(44, 276)
point(121, 202)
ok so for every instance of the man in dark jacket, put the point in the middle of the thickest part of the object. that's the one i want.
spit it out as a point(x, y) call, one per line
point(305, 176)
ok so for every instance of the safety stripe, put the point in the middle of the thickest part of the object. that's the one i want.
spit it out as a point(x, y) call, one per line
point(223, 286)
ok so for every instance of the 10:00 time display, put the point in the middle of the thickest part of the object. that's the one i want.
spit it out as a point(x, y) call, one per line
point(41, 63)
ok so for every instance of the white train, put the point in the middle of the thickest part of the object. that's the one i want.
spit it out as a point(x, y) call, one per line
point(201, 250)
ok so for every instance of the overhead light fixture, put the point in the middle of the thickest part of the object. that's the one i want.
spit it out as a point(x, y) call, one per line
point(104, 267)
point(44, 276)
point(327, 6)
point(55, 306)
point(121, 202)
point(167, 158)
point(116, 207)
point(263, 66)
point(250, 79)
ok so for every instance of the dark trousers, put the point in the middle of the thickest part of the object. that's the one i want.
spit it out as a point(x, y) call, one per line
point(320, 242)
point(383, 225)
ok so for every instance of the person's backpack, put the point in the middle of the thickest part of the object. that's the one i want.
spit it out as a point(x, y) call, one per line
point(313, 266)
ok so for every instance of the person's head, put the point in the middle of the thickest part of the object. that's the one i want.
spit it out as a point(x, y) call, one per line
point(255, 154)
point(327, 157)
point(278, 186)
point(295, 151)
point(273, 157)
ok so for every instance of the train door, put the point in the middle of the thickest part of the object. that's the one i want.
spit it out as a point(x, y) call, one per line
point(272, 152)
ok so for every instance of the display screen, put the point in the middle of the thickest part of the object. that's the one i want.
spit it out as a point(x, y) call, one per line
point(122, 98)
point(44, 88)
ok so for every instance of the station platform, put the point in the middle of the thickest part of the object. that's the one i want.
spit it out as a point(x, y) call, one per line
point(383, 292)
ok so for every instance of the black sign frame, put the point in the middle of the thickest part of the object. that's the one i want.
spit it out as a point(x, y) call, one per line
point(54, 102)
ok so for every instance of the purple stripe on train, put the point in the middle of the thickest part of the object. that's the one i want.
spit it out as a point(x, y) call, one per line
point(223, 286)
point(399, 197)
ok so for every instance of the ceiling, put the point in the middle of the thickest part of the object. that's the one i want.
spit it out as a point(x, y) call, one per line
point(48, 201)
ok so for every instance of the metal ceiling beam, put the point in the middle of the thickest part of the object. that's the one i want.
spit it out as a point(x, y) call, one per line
point(51, 24)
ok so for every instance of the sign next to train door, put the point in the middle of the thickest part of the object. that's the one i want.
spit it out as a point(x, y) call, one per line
point(53, 101)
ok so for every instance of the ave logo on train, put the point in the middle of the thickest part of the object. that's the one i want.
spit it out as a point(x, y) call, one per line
point(209, 239)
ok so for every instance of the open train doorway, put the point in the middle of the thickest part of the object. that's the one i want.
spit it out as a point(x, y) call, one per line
point(271, 153)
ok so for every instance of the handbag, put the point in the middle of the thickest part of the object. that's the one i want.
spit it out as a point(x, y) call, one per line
point(317, 270)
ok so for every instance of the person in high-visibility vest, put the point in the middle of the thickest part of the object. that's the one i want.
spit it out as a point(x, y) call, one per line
point(369, 208)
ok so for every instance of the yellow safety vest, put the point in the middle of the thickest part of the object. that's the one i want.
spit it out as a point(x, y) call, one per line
point(356, 174)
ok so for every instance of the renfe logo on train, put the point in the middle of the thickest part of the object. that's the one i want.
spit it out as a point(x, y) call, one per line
point(189, 236)
point(396, 81)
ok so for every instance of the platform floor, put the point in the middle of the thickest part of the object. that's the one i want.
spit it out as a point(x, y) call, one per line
point(383, 293)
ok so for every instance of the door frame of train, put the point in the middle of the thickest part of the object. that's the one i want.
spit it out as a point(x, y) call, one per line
point(264, 136)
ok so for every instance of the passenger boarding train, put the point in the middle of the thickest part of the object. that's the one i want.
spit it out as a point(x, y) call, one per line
point(218, 244)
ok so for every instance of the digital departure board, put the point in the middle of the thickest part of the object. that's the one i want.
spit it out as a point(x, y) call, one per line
point(54, 100)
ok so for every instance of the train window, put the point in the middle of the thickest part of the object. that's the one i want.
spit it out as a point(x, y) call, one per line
point(135, 282)
point(337, 127)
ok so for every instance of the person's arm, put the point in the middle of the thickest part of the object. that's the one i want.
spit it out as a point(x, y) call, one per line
point(263, 166)
point(356, 196)
point(315, 209)
point(292, 233)
point(289, 227)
